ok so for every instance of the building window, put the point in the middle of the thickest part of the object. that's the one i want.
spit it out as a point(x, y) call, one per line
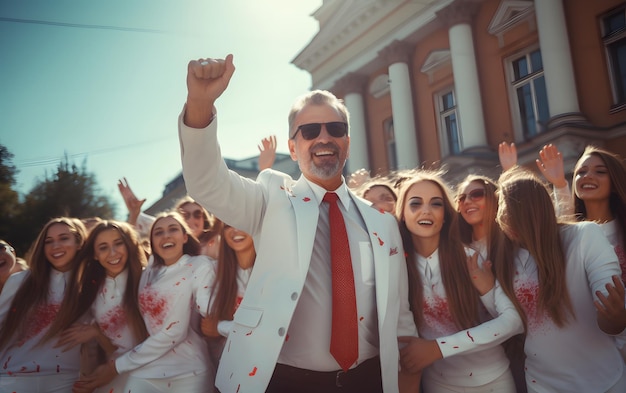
point(390, 142)
point(449, 126)
point(530, 98)
point(614, 38)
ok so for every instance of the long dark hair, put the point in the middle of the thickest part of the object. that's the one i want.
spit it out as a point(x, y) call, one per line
point(462, 296)
point(89, 276)
point(34, 290)
point(617, 199)
point(225, 290)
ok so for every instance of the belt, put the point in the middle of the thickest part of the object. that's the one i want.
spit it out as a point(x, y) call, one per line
point(364, 374)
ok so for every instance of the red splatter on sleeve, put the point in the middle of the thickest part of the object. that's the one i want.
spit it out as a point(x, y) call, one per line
point(306, 199)
point(253, 372)
point(171, 324)
point(470, 336)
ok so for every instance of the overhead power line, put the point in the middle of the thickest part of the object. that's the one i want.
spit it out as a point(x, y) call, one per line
point(82, 26)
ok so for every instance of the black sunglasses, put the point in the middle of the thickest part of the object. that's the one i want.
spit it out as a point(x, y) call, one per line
point(336, 129)
point(474, 195)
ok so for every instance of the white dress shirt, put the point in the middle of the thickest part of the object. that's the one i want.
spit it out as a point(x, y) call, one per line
point(308, 339)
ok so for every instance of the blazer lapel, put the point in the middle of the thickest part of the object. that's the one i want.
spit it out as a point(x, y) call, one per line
point(380, 250)
point(306, 213)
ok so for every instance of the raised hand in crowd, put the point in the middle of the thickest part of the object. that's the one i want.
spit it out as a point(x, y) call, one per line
point(507, 153)
point(133, 204)
point(550, 164)
point(267, 152)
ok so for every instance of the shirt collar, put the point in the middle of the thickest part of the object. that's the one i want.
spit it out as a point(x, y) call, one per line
point(342, 192)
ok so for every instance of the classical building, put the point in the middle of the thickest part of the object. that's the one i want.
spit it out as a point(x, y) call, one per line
point(431, 82)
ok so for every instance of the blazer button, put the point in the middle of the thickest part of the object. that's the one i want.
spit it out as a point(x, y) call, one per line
point(294, 296)
point(281, 332)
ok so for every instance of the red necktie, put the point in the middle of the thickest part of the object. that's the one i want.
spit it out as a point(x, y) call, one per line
point(344, 341)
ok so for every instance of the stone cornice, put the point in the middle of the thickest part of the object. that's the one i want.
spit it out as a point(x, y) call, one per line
point(459, 12)
point(397, 52)
point(351, 83)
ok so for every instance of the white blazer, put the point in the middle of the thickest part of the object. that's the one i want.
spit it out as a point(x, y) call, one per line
point(281, 215)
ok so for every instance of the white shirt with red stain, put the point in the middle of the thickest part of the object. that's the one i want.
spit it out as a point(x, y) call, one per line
point(168, 295)
point(471, 357)
point(243, 276)
point(578, 357)
point(26, 355)
point(108, 312)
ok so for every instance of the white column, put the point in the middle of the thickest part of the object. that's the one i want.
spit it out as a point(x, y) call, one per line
point(353, 85)
point(557, 60)
point(458, 17)
point(402, 104)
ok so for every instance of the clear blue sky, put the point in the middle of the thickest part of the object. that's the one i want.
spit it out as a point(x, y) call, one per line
point(104, 81)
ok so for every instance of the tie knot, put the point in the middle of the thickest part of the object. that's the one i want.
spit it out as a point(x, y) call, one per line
point(330, 197)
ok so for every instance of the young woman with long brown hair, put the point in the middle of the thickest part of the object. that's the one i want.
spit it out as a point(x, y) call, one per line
point(565, 279)
point(174, 286)
point(105, 285)
point(235, 263)
point(458, 342)
point(29, 362)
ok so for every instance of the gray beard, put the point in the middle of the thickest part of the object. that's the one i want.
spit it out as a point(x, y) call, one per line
point(324, 172)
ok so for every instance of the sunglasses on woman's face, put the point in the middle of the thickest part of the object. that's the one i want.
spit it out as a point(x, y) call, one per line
point(310, 131)
point(474, 195)
point(197, 214)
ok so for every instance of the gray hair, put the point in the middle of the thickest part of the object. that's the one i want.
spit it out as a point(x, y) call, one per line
point(317, 97)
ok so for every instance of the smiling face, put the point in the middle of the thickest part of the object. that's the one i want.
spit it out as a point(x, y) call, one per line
point(167, 239)
point(60, 247)
point(592, 181)
point(472, 207)
point(194, 217)
point(7, 260)
point(238, 240)
point(321, 159)
point(424, 212)
point(111, 251)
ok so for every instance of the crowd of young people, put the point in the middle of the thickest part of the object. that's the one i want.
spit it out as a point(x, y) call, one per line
point(512, 287)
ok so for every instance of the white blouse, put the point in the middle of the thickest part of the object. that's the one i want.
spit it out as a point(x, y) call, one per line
point(168, 296)
point(26, 355)
point(471, 357)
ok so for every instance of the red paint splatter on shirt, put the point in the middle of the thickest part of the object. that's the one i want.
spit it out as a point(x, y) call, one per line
point(38, 320)
point(527, 294)
point(153, 306)
point(470, 336)
point(437, 314)
point(306, 199)
point(253, 372)
point(113, 321)
point(171, 324)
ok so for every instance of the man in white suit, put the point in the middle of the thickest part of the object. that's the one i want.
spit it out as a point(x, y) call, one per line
point(280, 338)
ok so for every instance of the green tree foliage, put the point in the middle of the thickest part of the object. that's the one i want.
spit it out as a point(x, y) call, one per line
point(9, 201)
point(69, 191)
